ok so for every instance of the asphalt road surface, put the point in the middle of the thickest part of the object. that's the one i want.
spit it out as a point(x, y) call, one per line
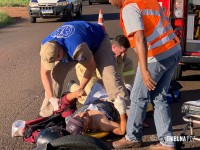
point(21, 91)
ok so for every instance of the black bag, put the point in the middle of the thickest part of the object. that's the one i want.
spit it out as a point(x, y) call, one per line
point(33, 127)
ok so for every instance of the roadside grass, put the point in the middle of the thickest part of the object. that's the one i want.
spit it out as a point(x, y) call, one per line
point(5, 19)
point(13, 3)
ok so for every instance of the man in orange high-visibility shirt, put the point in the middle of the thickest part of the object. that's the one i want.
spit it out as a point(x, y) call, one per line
point(158, 49)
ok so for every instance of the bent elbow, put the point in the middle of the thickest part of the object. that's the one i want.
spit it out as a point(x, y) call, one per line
point(120, 132)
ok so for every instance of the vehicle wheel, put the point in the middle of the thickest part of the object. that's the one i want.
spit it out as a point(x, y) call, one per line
point(77, 141)
point(90, 3)
point(177, 73)
point(78, 14)
point(32, 19)
point(67, 17)
point(70, 16)
point(71, 12)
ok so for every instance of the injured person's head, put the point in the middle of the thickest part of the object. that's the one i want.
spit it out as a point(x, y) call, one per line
point(75, 125)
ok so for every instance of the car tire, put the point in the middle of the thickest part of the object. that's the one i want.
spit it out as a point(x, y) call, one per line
point(78, 14)
point(177, 73)
point(77, 141)
point(67, 17)
point(71, 12)
point(90, 3)
point(32, 19)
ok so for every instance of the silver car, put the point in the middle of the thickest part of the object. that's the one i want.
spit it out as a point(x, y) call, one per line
point(64, 9)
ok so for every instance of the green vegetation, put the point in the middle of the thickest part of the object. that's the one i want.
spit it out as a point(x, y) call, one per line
point(5, 19)
point(13, 3)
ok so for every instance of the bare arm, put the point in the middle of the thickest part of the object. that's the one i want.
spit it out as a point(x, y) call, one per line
point(46, 81)
point(141, 50)
point(90, 66)
point(72, 96)
point(115, 127)
point(122, 125)
point(135, 29)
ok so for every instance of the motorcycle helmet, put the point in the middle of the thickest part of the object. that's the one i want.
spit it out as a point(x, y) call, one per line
point(49, 134)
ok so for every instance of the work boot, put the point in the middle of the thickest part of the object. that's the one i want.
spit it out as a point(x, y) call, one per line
point(160, 147)
point(123, 144)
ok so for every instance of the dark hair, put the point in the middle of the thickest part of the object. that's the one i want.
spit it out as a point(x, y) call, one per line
point(122, 41)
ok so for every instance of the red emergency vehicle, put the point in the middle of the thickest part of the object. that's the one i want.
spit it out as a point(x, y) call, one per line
point(185, 18)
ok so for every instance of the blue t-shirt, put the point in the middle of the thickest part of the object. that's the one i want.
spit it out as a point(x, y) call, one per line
point(72, 34)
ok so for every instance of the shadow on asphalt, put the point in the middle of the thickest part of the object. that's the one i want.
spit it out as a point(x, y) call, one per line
point(112, 137)
point(93, 17)
point(16, 20)
point(90, 18)
point(191, 78)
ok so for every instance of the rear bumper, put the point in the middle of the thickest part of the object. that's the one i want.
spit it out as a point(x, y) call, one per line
point(190, 59)
point(49, 11)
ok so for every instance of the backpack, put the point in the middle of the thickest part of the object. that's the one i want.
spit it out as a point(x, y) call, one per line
point(174, 94)
point(33, 127)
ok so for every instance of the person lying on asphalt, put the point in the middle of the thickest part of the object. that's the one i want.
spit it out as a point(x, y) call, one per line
point(97, 109)
point(95, 117)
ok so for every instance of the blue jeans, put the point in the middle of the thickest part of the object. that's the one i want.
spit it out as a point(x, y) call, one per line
point(161, 72)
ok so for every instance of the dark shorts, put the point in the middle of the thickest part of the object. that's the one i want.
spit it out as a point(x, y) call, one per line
point(106, 108)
